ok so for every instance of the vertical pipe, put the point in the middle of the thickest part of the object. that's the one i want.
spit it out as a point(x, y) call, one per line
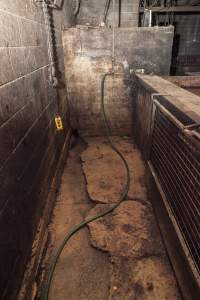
point(150, 18)
point(107, 6)
point(113, 35)
point(119, 11)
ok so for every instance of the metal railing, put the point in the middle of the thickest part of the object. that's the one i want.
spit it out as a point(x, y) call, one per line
point(175, 157)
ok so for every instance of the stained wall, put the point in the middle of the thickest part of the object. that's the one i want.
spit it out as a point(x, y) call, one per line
point(30, 146)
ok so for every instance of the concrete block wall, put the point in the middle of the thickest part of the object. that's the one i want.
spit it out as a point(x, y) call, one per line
point(92, 12)
point(30, 146)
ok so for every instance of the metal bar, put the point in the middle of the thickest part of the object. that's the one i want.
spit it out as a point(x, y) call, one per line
point(119, 13)
point(169, 114)
point(185, 129)
point(185, 187)
point(179, 209)
point(174, 156)
point(180, 236)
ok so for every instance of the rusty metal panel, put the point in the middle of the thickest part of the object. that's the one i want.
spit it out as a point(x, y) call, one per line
point(88, 51)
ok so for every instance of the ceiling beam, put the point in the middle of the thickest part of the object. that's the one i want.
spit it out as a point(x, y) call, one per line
point(179, 9)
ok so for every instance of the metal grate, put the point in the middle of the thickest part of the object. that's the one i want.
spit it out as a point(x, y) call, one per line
point(175, 157)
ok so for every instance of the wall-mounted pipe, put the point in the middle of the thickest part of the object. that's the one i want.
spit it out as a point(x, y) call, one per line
point(77, 7)
point(52, 72)
point(107, 6)
point(119, 13)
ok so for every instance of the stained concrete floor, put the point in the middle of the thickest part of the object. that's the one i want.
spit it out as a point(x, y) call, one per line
point(120, 256)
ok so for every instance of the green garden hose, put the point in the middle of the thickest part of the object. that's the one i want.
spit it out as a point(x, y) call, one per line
point(123, 196)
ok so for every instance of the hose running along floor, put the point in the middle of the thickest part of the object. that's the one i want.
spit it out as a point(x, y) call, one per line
point(119, 256)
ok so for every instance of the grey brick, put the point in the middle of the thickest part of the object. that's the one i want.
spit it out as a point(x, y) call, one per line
point(32, 34)
point(9, 30)
point(13, 97)
point(6, 69)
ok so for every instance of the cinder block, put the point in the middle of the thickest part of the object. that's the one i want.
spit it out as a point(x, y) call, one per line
point(17, 59)
point(7, 144)
point(35, 58)
point(6, 68)
point(9, 5)
point(32, 33)
point(41, 56)
point(13, 97)
point(9, 30)
point(29, 59)
point(38, 94)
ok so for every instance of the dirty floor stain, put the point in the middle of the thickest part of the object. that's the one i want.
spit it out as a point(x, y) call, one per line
point(121, 256)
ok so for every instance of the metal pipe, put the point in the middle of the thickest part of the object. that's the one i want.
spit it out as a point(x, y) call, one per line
point(52, 72)
point(119, 12)
point(77, 9)
point(107, 6)
point(113, 35)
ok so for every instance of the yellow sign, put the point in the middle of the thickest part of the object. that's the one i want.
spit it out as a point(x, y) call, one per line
point(59, 123)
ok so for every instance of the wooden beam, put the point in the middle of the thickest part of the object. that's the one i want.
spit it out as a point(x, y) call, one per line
point(179, 9)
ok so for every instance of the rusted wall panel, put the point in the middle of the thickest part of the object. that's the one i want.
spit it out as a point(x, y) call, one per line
point(87, 53)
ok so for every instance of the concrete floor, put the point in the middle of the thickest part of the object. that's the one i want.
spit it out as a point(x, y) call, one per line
point(121, 256)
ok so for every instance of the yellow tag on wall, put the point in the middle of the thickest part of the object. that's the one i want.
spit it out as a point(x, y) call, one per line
point(59, 123)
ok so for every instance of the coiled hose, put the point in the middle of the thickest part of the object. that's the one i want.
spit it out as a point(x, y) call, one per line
point(123, 196)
